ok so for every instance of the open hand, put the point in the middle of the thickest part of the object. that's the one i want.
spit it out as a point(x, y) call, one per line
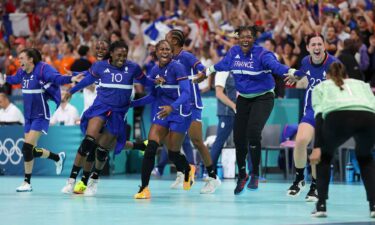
point(77, 78)
point(315, 156)
point(164, 112)
point(199, 77)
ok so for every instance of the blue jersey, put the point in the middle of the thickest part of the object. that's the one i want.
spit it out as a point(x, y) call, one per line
point(315, 74)
point(174, 92)
point(115, 85)
point(252, 72)
point(192, 67)
point(36, 89)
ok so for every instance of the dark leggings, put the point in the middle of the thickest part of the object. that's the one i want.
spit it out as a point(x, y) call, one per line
point(332, 132)
point(252, 114)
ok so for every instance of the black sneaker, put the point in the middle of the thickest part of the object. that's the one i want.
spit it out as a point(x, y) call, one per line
point(312, 195)
point(241, 183)
point(296, 188)
point(253, 184)
point(372, 209)
point(320, 210)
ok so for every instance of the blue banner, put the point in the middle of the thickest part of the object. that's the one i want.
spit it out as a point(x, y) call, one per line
point(59, 139)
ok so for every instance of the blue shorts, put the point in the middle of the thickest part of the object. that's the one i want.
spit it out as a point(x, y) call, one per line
point(181, 126)
point(114, 121)
point(309, 117)
point(196, 114)
point(39, 124)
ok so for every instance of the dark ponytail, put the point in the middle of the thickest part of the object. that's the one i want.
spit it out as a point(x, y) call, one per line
point(337, 74)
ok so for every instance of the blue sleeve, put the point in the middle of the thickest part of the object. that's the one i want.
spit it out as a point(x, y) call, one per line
point(94, 70)
point(270, 62)
point(140, 77)
point(195, 63)
point(89, 79)
point(184, 84)
point(50, 74)
point(143, 101)
point(16, 79)
point(184, 93)
point(224, 64)
point(85, 73)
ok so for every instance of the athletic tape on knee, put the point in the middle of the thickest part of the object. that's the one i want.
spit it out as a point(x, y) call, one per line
point(27, 151)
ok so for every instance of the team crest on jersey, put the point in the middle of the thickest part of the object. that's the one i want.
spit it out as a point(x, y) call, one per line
point(126, 69)
point(32, 77)
point(107, 71)
point(324, 74)
point(165, 73)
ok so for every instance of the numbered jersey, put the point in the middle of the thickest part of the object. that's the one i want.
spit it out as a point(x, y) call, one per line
point(115, 84)
point(315, 74)
point(35, 87)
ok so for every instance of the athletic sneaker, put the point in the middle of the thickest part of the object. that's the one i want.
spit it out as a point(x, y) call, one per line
point(189, 178)
point(79, 188)
point(320, 210)
point(155, 172)
point(372, 209)
point(60, 163)
point(69, 186)
point(143, 193)
point(177, 184)
point(241, 183)
point(296, 188)
point(312, 195)
point(253, 184)
point(211, 185)
point(24, 187)
point(92, 187)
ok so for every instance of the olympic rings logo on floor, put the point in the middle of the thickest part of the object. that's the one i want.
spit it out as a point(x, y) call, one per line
point(11, 151)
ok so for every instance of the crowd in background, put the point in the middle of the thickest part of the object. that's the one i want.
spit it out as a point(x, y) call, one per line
point(66, 31)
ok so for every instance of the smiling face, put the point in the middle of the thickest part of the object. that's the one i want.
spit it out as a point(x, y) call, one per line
point(316, 49)
point(26, 62)
point(101, 49)
point(118, 56)
point(246, 40)
point(164, 53)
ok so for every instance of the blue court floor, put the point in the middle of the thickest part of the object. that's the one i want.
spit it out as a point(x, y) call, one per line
point(114, 204)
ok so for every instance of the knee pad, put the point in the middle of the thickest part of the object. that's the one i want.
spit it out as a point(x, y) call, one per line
point(151, 149)
point(88, 145)
point(91, 157)
point(27, 151)
point(37, 152)
point(102, 154)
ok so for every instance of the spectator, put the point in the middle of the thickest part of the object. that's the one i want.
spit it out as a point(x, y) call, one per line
point(66, 114)
point(9, 113)
point(82, 63)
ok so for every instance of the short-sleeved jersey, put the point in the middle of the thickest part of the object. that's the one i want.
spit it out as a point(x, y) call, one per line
point(315, 74)
point(169, 92)
point(115, 84)
point(192, 67)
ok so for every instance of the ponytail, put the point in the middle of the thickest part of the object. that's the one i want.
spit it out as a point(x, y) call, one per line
point(337, 74)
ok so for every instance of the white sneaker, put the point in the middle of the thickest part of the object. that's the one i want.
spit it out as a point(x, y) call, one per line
point(155, 172)
point(211, 185)
point(177, 184)
point(69, 186)
point(372, 214)
point(24, 187)
point(60, 163)
point(92, 187)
